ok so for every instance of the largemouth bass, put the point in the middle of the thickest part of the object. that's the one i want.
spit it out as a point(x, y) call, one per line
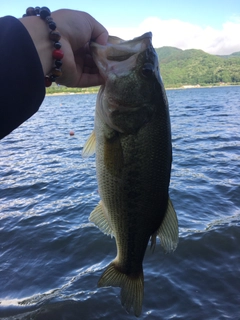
point(132, 141)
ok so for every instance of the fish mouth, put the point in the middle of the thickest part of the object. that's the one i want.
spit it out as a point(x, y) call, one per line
point(125, 49)
point(109, 58)
point(120, 56)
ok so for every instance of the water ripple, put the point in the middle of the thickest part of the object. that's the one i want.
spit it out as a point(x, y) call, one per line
point(51, 257)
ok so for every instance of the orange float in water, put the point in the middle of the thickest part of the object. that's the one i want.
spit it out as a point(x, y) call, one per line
point(71, 133)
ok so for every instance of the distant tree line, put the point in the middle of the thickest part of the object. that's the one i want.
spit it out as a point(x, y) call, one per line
point(62, 89)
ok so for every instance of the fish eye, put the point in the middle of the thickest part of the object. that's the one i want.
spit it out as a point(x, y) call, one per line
point(147, 70)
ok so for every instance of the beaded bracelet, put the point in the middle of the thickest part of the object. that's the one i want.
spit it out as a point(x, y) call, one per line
point(55, 36)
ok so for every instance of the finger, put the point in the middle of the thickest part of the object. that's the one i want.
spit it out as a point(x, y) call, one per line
point(102, 38)
point(99, 33)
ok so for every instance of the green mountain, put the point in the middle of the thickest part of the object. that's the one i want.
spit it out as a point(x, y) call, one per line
point(235, 54)
point(192, 67)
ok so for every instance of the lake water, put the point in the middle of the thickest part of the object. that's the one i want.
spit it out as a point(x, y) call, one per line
point(51, 257)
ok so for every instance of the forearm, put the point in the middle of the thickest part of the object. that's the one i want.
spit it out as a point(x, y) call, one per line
point(26, 57)
point(22, 78)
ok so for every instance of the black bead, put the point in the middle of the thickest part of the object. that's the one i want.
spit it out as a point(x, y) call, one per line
point(52, 78)
point(58, 63)
point(48, 19)
point(37, 10)
point(52, 25)
point(57, 45)
point(30, 11)
point(45, 8)
point(44, 12)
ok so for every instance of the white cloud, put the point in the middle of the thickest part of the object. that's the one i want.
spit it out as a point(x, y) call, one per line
point(184, 35)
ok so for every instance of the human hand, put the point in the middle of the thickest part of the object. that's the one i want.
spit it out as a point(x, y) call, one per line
point(77, 29)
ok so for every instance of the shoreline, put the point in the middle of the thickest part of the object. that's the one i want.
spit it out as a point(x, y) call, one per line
point(172, 88)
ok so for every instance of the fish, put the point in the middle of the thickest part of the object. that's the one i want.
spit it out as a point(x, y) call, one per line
point(132, 142)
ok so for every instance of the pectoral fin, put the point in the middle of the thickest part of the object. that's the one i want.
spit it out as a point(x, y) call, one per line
point(99, 217)
point(168, 231)
point(90, 146)
point(113, 155)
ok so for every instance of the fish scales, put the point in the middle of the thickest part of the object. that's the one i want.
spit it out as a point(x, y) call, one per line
point(131, 198)
point(132, 141)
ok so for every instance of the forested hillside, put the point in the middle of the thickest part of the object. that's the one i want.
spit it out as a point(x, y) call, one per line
point(192, 67)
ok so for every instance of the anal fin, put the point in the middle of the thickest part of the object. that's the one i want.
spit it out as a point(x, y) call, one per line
point(99, 217)
point(168, 230)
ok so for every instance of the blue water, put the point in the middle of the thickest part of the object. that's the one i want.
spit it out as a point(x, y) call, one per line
point(51, 257)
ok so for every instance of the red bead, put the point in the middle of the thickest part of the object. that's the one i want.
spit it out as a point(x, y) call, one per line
point(57, 54)
point(48, 82)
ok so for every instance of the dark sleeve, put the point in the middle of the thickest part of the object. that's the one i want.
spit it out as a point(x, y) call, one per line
point(22, 87)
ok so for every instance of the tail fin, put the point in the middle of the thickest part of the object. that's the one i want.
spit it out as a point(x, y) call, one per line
point(131, 285)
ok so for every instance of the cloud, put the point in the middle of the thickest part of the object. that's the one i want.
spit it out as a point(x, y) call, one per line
point(185, 35)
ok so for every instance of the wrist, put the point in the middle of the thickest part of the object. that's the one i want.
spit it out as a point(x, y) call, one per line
point(39, 32)
point(54, 36)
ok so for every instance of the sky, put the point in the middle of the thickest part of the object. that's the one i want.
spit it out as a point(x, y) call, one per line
point(210, 25)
